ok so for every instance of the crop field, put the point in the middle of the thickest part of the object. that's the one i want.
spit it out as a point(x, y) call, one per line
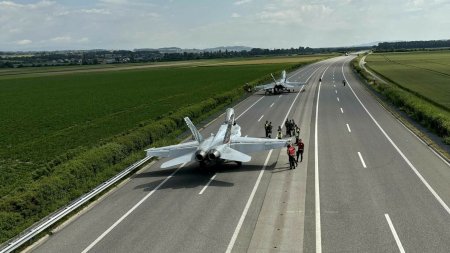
point(58, 70)
point(46, 116)
point(426, 74)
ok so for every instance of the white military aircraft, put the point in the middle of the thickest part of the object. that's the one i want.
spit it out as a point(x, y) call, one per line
point(279, 86)
point(226, 145)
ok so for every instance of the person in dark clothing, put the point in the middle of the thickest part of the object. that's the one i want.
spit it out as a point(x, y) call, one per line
point(266, 128)
point(300, 149)
point(287, 124)
point(343, 81)
point(270, 129)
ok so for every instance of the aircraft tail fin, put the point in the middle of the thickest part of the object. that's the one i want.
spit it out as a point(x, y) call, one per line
point(275, 80)
point(197, 136)
point(234, 155)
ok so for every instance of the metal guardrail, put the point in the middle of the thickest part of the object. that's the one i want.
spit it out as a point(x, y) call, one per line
point(51, 219)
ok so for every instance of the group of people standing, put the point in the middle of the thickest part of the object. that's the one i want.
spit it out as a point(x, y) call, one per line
point(292, 153)
point(292, 130)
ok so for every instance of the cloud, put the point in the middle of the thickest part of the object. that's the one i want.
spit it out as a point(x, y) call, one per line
point(235, 15)
point(240, 2)
point(96, 11)
point(61, 39)
point(288, 12)
point(24, 42)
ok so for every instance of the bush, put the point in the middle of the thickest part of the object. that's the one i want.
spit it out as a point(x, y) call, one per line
point(427, 114)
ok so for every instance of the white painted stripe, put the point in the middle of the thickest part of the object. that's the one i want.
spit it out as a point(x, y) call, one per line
point(206, 186)
point(247, 206)
point(335, 91)
point(272, 104)
point(438, 198)
point(279, 96)
point(342, 111)
point(316, 177)
point(394, 233)
point(249, 108)
point(260, 118)
point(362, 160)
point(348, 127)
point(338, 99)
point(246, 135)
point(130, 211)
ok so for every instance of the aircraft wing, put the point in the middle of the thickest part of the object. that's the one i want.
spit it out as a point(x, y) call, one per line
point(174, 150)
point(295, 84)
point(268, 86)
point(251, 145)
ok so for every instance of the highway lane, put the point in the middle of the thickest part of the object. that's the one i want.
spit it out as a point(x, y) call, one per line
point(176, 217)
point(371, 197)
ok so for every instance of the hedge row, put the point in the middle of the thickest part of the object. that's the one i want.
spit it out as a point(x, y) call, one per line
point(64, 181)
point(427, 114)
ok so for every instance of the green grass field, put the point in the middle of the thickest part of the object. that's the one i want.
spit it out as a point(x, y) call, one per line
point(46, 116)
point(423, 73)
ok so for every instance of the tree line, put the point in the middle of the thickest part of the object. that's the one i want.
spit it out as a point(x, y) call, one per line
point(410, 45)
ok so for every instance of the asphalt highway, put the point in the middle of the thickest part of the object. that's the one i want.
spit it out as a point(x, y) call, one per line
point(366, 184)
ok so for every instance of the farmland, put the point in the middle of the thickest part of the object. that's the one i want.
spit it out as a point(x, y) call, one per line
point(44, 117)
point(426, 74)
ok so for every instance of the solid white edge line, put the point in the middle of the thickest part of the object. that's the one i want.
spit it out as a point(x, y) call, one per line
point(316, 173)
point(129, 211)
point(247, 206)
point(342, 111)
point(362, 160)
point(394, 233)
point(348, 127)
point(272, 104)
point(438, 198)
point(206, 186)
point(260, 118)
point(248, 108)
point(316, 179)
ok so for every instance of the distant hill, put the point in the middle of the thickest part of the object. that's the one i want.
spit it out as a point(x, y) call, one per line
point(229, 48)
point(194, 50)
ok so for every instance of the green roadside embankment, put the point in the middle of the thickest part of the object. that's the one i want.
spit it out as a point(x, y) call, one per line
point(412, 87)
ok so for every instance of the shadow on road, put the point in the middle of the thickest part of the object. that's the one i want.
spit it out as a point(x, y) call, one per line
point(194, 176)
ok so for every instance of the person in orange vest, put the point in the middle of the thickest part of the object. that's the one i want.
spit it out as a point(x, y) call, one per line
point(300, 149)
point(291, 154)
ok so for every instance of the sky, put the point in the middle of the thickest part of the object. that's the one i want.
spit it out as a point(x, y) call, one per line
point(129, 24)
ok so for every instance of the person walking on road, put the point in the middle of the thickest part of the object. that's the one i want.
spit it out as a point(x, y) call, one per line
point(266, 128)
point(291, 154)
point(300, 149)
point(287, 124)
point(270, 129)
point(297, 133)
point(343, 81)
point(280, 133)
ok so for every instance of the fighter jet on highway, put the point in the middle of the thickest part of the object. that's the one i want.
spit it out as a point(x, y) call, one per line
point(226, 145)
point(279, 86)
